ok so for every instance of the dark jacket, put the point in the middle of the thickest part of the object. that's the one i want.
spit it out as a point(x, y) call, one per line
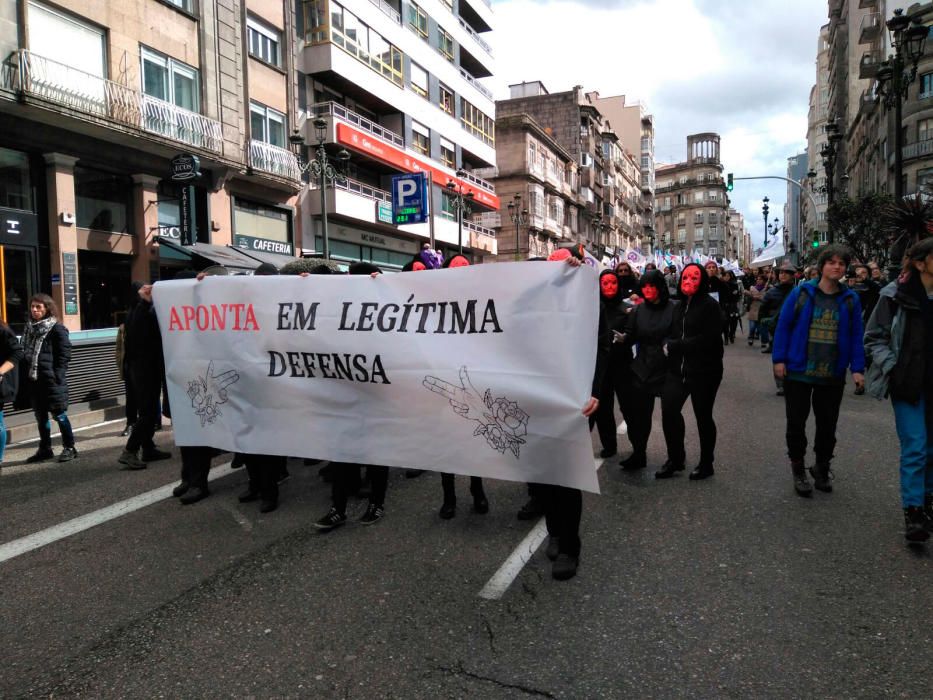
point(649, 326)
point(773, 301)
point(12, 350)
point(615, 312)
point(695, 344)
point(50, 389)
point(143, 343)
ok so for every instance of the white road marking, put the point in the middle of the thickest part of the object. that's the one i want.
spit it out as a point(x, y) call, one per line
point(496, 586)
point(75, 430)
point(85, 522)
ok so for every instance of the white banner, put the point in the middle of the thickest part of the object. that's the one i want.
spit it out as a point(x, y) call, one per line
point(774, 251)
point(476, 370)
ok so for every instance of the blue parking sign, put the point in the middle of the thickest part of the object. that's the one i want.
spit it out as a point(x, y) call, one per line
point(410, 198)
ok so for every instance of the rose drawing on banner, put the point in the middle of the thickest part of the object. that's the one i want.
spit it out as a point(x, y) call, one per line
point(208, 392)
point(500, 421)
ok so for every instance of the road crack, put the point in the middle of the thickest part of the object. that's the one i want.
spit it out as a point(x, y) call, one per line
point(461, 671)
point(491, 634)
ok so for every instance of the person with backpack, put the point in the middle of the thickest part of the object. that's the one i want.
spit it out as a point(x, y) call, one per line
point(770, 309)
point(817, 339)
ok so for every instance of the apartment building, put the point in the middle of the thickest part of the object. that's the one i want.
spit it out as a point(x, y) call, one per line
point(398, 85)
point(623, 210)
point(691, 205)
point(814, 215)
point(97, 99)
point(736, 234)
point(795, 239)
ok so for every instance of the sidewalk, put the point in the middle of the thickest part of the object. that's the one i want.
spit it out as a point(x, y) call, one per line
point(23, 427)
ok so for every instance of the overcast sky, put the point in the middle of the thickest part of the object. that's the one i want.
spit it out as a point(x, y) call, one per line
point(742, 68)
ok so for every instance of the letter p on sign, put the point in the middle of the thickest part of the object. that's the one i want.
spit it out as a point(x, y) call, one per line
point(409, 198)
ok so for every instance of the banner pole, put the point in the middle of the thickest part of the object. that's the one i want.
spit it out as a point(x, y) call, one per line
point(431, 208)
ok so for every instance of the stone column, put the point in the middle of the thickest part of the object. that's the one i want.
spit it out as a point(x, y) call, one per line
point(60, 183)
point(145, 225)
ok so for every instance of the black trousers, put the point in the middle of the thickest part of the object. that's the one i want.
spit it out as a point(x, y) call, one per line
point(826, 400)
point(702, 396)
point(450, 489)
point(264, 472)
point(346, 480)
point(195, 465)
point(617, 386)
point(563, 509)
point(130, 394)
point(148, 387)
point(641, 409)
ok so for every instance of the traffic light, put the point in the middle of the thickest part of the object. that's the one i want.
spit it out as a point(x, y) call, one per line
point(816, 240)
point(729, 182)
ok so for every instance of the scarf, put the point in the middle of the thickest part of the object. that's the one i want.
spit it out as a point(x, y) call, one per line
point(33, 337)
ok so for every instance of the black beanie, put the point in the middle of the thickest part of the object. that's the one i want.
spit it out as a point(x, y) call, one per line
point(363, 268)
point(266, 268)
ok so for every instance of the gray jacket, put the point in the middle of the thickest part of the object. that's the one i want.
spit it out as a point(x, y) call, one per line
point(884, 335)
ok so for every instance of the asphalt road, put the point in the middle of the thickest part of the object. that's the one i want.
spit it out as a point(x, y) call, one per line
point(732, 587)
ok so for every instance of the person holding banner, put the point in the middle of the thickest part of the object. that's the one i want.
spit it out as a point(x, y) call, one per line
point(649, 325)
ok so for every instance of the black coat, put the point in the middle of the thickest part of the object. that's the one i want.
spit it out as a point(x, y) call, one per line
point(773, 301)
point(648, 327)
point(143, 344)
point(50, 388)
point(12, 350)
point(695, 345)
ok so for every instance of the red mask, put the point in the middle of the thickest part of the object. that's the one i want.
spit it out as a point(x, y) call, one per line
point(650, 292)
point(459, 261)
point(418, 266)
point(690, 281)
point(559, 254)
point(609, 286)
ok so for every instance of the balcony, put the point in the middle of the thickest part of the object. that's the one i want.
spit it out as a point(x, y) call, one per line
point(868, 65)
point(870, 28)
point(272, 159)
point(333, 109)
point(75, 90)
point(476, 37)
point(475, 83)
point(918, 150)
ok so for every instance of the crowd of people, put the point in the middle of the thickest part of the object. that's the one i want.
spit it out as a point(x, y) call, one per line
point(661, 336)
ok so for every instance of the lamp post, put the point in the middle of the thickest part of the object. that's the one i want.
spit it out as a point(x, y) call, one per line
point(322, 168)
point(461, 204)
point(519, 217)
point(829, 153)
point(764, 211)
point(895, 75)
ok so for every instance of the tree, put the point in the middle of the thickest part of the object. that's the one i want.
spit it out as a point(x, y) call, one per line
point(862, 225)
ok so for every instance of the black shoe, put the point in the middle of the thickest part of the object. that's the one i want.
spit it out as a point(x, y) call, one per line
point(801, 484)
point(480, 505)
point(331, 520)
point(237, 461)
point(668, 470)
point(531, 510)
point(154, 455)
point(413, 473)
point(448, 510)
point(248, 496)
point(181, 489)
point(779, 392)
point(41, 455)
point(268, 505)
point(564, 567)
point(129, 460)
point(822, 477)
point(373, 514)
point(702, 472)
point(915, 525)
point(553, 548)
point(765, 350)
point(608, 452)
point(195, 494)
point(751, 341)
point(127, 430)
point(636, 461)
point(67, 454)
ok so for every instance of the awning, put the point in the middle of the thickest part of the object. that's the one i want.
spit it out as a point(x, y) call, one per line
point(279, 261)
point(206, 254)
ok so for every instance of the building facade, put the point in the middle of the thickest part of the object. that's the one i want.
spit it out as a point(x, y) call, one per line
point(691, 205)
point(794, 238)
point(814, 212)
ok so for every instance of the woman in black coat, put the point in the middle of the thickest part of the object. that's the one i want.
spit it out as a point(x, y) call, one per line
point(694, 349)
point(649, 325)
point(11, 354)
point(616, 382)
point(46, 354)
point(729, 302)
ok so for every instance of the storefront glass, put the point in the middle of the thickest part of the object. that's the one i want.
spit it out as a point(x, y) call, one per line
point(15, 189)
point(104, 284)
point(262, 228)
point(102, 200)
point(19, 285)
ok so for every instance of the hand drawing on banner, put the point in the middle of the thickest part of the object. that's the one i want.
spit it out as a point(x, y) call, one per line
point(208, 392)
point(500, 421)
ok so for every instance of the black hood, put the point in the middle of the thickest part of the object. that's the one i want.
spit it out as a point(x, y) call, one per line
point(656, 279)
point(363, 268)
point(704, 280)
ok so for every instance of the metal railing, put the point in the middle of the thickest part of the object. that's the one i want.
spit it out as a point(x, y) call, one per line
point(388, 10)
point(336, 110)
point(916, 150)
point(476, 228)
point(272, 159)
point(90, 94)
point(475, 83)
point(472, 32)
point(478, 181)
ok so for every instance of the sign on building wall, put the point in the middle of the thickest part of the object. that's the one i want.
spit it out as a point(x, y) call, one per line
point(263, 245)
point(410, 199)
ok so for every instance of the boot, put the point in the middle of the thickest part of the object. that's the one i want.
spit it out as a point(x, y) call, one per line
point(637, 460)
point(915, 524)
point(181, 489)
point(801, 483)
point(668, 470)
point(448, 510)
point(822, 476)
point(480, 502)
point(608, 452)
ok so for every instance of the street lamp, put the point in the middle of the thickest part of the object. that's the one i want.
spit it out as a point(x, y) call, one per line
point(764, 210)
point(519, 217)
point(461, 204)
point(895, 75)
point(829, 153)
point(322, 168)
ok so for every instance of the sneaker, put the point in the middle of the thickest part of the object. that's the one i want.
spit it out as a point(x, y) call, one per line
point(130, 460)
point(915, 525)
point(67, 454)
point(42, 455)
point(553, 548)
point(822, 477)
point(331, 520)
point(373, 514)
point(564, 567)
point(154, 455)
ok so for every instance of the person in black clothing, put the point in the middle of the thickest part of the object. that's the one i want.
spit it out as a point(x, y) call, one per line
point(694, 350)
point(647, 328)
point(46, 354)
point(628, 285)
point(143, 349)
point(11, 354)
point(771, 306)
point(729, 303)
point(123, 366)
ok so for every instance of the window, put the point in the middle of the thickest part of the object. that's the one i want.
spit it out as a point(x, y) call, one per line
point(445, 44)
point(419, 79)
point(76, 56)
point(445, 99)
point(258, 222)
point(102, 200)
point(358, 40)
point(697, 196)
point(477, 123)
point(681, 236)
point(15, 190)
point(420, 139)
point(183, 4)
point(264, 41)
point(925, 129)
point(267, 124)
point(165, 80)
point(418, 20)
point(448, 154)
point(926, 86)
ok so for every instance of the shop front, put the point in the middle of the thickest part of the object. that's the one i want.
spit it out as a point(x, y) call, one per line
point(349, 244)
point(19, 238)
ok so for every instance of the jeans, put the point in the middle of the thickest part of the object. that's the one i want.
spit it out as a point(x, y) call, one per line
point(702, 397)
point(45, 428)
point(914, 423)
point(2, 436)
point(825, 399)
point(756, 329)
